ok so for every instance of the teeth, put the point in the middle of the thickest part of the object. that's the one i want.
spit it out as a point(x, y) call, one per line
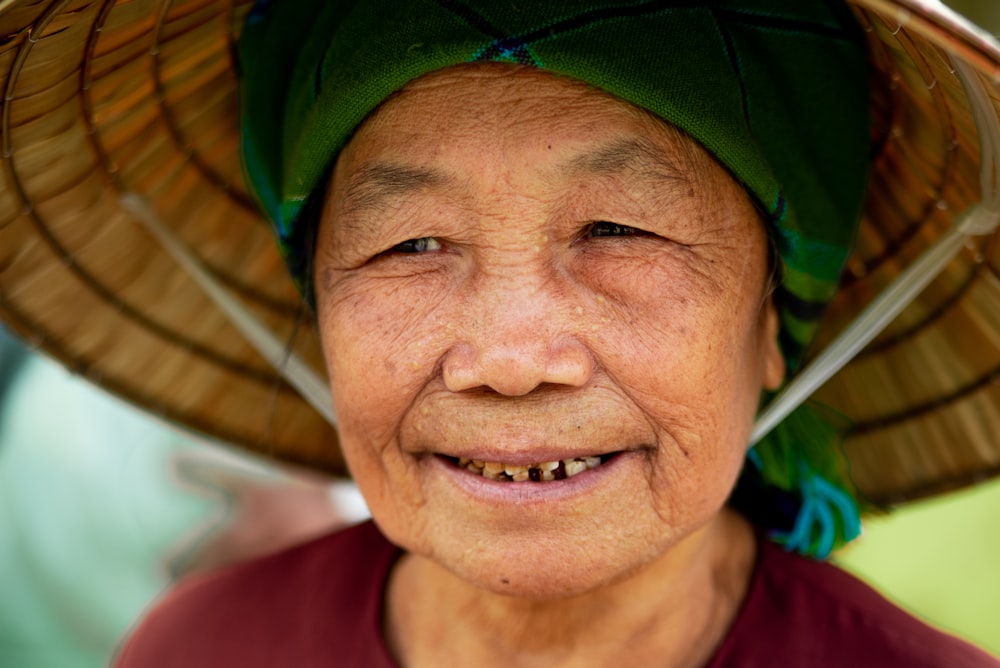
point(493, 468)
point(557, 470)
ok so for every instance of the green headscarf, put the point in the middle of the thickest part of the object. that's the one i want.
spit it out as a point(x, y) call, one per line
point(777, 90)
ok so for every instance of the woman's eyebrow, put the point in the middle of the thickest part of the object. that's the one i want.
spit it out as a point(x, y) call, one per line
point(372, 186)
point(629, 154)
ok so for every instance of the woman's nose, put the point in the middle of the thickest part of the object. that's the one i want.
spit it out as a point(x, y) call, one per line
point(517, 348)
point(516, 367)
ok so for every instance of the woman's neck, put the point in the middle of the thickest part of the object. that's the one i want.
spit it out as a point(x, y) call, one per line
point(673, 612)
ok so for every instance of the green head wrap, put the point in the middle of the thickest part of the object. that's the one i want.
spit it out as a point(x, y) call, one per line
point(777, 90)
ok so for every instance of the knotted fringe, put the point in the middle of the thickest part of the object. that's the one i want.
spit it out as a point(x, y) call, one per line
point(796, 484)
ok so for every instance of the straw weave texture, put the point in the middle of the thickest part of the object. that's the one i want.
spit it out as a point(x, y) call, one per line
point(925, 395)
point(103, 98)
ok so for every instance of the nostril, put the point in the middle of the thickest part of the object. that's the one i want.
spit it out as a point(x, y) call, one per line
point(458, 368)
point(569, 362)
point(510, 370)
point(516, 368)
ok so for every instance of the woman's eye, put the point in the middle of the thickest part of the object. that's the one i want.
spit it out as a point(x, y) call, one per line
point(421, 245)
point(605, 229)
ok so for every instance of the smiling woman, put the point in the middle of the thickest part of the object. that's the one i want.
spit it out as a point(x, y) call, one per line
point(559, 255)
point(532, 332)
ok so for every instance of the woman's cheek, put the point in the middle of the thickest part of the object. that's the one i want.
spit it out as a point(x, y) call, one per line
point(381, 339)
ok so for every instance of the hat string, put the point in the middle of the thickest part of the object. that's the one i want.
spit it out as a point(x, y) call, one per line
point(290, 366)
point(979, 219)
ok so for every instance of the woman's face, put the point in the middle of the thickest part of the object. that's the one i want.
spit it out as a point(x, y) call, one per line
point(516, 269)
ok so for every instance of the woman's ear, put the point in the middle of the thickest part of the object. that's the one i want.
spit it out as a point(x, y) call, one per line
point(772, 361)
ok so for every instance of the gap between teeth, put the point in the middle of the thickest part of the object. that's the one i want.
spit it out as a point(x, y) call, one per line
point(557, 470)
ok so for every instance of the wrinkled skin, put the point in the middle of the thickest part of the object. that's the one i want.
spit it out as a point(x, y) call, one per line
point(515, 267)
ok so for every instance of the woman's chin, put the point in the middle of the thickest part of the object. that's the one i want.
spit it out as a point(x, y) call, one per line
point(543, 566)
point(542, 541)
point(536, 576)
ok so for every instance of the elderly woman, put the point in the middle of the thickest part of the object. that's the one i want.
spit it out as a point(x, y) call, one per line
point(558, 254)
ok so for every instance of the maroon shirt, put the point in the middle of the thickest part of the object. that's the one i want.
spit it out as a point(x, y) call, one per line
point(320, 604)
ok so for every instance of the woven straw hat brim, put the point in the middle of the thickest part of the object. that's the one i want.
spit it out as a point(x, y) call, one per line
point(103, 99)
point(925, 395)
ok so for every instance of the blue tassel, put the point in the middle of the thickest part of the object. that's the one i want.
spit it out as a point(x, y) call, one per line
point(825, 508)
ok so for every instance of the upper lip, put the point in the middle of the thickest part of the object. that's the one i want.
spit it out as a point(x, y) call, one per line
point(521, 431)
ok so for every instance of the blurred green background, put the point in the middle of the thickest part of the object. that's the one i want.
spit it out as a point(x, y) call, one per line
point(986, 13)
point(939, 559)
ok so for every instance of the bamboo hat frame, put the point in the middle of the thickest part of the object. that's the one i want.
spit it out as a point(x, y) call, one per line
point(130, 251)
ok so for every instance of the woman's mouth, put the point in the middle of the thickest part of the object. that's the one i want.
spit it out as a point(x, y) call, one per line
point(541, 472)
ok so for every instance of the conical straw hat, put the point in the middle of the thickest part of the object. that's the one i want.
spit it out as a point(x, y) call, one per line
point(103, 100)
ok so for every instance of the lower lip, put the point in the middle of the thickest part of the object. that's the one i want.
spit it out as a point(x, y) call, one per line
point(529, 493)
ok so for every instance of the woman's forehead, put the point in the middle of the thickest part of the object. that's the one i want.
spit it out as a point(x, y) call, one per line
point(493, 121)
